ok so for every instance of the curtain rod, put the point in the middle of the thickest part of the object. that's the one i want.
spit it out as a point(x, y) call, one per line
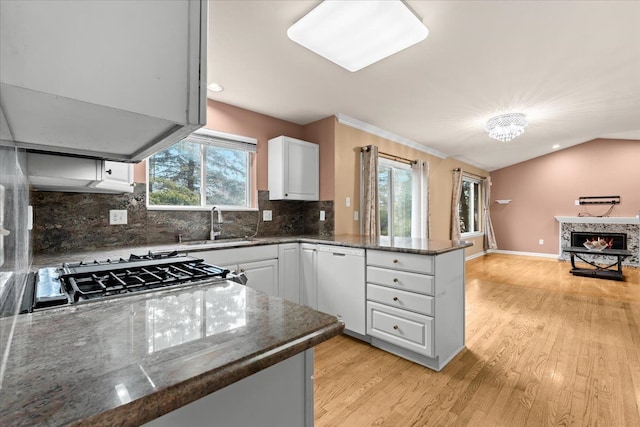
point(391, 156)
point(469, 173)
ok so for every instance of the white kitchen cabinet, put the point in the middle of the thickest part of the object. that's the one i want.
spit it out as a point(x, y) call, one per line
point(294, 169)
point(415, 305)
point(75, 174)
point(309, 275)
point(341, 285)
point(259, 263)
point(104, 79)
point(261, 275)
point(289, 271)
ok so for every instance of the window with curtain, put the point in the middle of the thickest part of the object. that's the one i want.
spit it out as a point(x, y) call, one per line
point(470, 206)
point(395, 183)
point(204, 169)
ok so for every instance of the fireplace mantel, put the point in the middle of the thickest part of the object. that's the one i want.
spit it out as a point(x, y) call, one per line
point(599, 220)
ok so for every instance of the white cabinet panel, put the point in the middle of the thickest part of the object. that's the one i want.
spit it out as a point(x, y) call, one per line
point(289, 271)
point(401, 280)
point(294, 169)
point(401, 261)
point(262, 275)
point(400, 327)
point(421, 304)
point(309, 275)
point(258, 263)
point(74, 174)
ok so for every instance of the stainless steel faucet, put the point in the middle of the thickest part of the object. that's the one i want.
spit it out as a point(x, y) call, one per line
point(214, 234)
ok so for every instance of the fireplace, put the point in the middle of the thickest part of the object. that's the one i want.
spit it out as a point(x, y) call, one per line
point(613, 240)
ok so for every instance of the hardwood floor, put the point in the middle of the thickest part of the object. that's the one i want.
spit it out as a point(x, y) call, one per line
point(543, 348)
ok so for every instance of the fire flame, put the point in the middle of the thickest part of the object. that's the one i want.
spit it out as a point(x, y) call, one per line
point(601, 241)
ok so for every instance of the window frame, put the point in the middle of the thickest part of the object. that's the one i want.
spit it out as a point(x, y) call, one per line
point(480, 200)
point(388, 163)
point(214, 138)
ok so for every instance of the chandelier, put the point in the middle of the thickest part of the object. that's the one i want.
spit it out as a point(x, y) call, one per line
point(505, 127)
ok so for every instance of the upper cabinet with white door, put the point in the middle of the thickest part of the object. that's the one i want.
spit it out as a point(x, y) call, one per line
point(106, 79)
point(294, 169)
point(74, 174)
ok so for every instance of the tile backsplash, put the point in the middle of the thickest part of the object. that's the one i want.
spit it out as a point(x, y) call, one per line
point(72, 222)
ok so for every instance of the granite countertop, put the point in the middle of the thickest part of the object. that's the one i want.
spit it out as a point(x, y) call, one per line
point(129, 360)
point(405, 244)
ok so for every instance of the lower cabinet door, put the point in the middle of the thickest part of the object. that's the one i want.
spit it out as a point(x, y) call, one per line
point(262, 275)
point(400, 327)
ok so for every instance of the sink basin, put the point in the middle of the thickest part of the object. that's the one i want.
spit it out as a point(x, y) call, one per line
point(220, 243)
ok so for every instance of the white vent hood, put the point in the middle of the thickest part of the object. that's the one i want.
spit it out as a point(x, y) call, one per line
point(112, 80)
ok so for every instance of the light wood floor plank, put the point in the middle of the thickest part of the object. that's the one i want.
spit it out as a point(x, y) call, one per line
point(543, 347)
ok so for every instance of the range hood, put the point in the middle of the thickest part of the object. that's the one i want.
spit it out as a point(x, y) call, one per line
point(109, 80)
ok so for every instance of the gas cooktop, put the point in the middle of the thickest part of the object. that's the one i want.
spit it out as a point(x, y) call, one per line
point(89, 281)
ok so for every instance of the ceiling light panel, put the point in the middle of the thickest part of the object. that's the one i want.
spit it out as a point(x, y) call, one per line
point(355, 34)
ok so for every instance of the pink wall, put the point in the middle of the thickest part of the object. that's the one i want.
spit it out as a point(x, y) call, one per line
point(547, 186)
point(238, 121)
point(323, 133)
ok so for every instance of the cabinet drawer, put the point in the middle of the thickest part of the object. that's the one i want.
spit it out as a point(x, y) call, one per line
point(400, 327)
point(401, 280)
point(419, 303)
point(401, 261)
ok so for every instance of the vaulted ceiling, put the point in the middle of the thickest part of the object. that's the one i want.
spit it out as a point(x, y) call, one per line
point(573, 67)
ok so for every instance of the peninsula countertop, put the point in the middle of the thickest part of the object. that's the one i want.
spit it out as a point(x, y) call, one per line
point(127, 360)
point(403, 244)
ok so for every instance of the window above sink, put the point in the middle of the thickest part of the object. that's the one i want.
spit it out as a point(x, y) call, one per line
point(206, 168)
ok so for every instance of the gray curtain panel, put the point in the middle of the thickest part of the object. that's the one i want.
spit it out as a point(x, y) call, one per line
point(455, 202)
point(370, 211)
point(489, 236)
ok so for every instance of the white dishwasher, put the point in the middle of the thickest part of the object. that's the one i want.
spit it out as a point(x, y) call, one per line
point(341, 285)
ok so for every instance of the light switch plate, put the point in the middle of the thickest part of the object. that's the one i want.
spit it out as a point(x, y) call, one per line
point(355, 215)
point(117, 216)
point(347, 201)
point(322, 217)
point(267, 215)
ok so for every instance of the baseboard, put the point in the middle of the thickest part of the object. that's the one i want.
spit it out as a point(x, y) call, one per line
point(478, 255)
point(534, 254)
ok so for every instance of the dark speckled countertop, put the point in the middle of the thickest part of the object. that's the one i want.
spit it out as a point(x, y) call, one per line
point(407, 245)
point(126, 361)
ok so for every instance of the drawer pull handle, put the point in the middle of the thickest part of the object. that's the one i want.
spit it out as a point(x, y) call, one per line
point(395, 261)
point(395, 327)
point(395, 280)
point(395, 298)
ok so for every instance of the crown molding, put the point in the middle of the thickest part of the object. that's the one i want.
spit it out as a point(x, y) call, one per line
point(355, 123)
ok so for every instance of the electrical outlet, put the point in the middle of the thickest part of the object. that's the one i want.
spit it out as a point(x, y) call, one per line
point(541, 242)
point(267, 215)
point(322, 218)
point(117, 216)
point(355, 215)
point(577, 202)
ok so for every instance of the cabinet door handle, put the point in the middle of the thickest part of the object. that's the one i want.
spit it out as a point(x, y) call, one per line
point(395, 280)
point(242, 270)
point(395, 327)
point(109, 171)
point(395, 261)
point(395, 298)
